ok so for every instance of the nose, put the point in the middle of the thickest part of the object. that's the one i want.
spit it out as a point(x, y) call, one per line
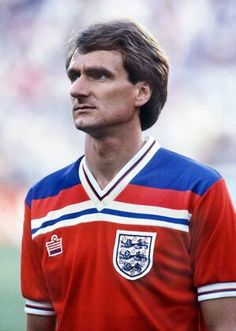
point(79, 88)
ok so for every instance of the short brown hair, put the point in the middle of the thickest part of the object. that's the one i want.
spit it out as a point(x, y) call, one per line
point(143, 59)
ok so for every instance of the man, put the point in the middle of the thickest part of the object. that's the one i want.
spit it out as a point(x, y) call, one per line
point(131, 236)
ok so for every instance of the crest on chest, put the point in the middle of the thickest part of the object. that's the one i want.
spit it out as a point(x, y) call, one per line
point(133, 253)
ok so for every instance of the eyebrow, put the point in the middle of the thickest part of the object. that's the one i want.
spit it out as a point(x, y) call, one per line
point(90, 70)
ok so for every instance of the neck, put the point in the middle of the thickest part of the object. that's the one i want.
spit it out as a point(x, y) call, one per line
point(105, 156)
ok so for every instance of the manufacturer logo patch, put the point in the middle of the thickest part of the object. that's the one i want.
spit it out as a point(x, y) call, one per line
point(133, 253)
point(54, 247)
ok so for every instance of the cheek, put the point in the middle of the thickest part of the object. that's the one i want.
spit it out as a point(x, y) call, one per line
point(120, 98)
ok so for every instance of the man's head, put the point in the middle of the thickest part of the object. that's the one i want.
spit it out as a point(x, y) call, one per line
point(142, 56)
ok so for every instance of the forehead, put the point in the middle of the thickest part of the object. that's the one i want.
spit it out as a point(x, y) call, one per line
point(112, 60)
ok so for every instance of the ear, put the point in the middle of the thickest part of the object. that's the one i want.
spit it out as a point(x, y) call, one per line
point(143, 93)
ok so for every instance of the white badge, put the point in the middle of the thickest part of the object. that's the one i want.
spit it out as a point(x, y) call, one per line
point(133, 253)
point(54, 246)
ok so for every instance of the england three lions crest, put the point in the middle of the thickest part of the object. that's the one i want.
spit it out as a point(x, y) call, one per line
point(133, 253)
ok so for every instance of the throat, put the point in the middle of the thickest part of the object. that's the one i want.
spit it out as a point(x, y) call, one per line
point(106, 159)
point(103, 182)
point(106, 172)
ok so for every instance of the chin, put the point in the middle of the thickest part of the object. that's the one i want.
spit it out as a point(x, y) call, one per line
point(84, 127)
point(93, 131)
point(80, 127)
point(80, 124)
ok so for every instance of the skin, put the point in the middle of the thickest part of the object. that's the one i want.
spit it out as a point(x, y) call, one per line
point(106, 107)
point(40, 323)
point(219, 314)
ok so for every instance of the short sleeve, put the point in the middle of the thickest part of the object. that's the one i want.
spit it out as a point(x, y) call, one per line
point(33, 285)
point(213, 244)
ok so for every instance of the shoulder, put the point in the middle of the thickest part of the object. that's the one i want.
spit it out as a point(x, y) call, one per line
point(176, 171)
point(53, 183)
point(182, 162)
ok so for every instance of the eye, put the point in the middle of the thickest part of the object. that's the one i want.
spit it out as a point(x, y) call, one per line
point(101, 77)
point(73, 75)
point(98, 74)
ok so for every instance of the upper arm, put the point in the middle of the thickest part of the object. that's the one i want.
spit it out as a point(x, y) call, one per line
point(213, 254)
point(40, 323)
point(213, 244)
point(33, 281)
point(219, 314)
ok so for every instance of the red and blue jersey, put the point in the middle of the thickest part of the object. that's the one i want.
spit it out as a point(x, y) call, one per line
point(138, 255)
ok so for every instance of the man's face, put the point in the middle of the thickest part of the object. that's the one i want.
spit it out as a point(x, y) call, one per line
point(102, 96)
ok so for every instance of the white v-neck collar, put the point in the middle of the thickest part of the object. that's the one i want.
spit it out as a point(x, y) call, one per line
point(102, 197)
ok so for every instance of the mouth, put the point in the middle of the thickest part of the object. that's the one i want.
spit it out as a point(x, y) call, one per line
point(82, 108)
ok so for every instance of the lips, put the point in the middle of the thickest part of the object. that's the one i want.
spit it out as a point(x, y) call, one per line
point(83, 107)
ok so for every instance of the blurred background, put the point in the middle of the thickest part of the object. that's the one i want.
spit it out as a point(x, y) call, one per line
point(37, 135)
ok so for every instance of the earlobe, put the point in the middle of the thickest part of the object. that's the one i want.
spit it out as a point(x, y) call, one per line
point(143, 93)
